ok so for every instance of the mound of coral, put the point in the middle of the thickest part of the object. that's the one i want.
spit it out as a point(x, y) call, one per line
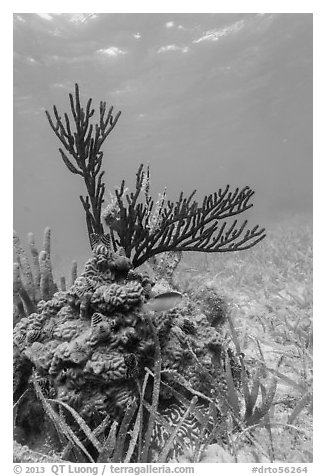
point(90, 345)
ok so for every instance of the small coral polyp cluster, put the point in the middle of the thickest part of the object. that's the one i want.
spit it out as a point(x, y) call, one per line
point(90, 345)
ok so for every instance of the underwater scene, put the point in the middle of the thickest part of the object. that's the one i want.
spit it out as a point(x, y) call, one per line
point(162, 249)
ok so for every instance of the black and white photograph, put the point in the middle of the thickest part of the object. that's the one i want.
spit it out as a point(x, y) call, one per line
point(162, 246)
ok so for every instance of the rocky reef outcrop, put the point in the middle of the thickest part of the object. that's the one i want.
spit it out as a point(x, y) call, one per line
point(90, 345)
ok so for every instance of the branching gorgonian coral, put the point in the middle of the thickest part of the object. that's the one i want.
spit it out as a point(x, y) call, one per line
point(83, 143)
point(145, 228)
point(137, 223)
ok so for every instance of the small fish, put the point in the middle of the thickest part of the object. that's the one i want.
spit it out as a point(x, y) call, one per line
point(163, 302)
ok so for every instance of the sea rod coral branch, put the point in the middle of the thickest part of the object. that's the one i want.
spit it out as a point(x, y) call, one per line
point(144, 230)
point(83, 143)
point(34, 282)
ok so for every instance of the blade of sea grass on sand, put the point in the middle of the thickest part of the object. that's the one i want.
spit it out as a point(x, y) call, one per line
point(156, 389)
point(62, 428)
point(244, 378)
point(81, 422)
point(108, 445)
point(253, 393)
point(122, 434)
point(184, 401)
point(232, 396)
point(303, 402)
point(199, 443)
point(137, 430)
point(182, 381)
